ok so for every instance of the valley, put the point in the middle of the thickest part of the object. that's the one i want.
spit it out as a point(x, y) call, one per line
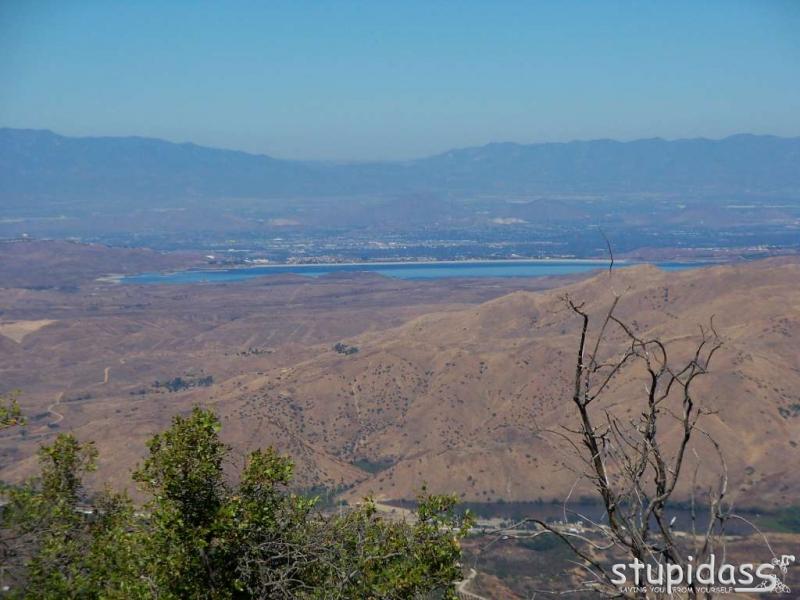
point(379, 386)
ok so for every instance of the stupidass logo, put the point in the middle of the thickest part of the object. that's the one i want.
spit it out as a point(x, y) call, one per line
point(708, 576)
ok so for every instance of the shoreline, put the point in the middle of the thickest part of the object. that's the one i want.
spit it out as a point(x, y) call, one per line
point(416, 263)
point(254, 270)
point(117, 278)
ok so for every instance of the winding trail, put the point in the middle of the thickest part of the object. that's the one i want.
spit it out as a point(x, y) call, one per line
point(52, 410)
point(461, 588)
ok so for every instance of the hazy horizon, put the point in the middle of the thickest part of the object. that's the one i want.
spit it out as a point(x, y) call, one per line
point(400, 159)
point(355, 81)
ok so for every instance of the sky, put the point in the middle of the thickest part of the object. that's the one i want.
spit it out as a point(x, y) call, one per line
point(391, 80)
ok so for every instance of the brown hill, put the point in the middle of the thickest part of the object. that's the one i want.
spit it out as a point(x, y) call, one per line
point(462, 399)
point(454, 383)
point(49, 264)
point(87, 356)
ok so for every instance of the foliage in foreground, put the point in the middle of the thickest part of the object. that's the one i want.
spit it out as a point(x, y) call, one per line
point(10, 414)
point(202, 537)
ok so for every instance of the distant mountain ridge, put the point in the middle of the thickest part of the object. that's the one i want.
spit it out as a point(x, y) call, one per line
point(740, 162)
point(39, 165)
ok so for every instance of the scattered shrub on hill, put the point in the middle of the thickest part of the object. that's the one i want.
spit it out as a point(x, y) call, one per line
point(791, 411)
point(177, 384)
point(345, 349)
point(200, 536)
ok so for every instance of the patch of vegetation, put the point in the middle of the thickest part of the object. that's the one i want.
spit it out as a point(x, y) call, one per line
point(371, 466)
point(254, 352)
point(786, 520)
point(789, 412)
point(541, 543)
point(186, 382)
point(325, 496)
point(345, 349)
point(10, 413)
point(202, 536)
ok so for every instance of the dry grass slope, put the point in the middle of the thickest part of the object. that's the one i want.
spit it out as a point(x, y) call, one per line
point(454, 383)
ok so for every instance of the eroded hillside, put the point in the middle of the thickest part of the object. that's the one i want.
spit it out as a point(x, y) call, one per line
point(465, 399)
point(379, 386)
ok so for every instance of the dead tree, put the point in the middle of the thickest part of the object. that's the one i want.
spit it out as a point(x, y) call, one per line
point(626, 461)
point(635, 464)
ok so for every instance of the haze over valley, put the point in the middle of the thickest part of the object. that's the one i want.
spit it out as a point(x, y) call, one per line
point(654, 198)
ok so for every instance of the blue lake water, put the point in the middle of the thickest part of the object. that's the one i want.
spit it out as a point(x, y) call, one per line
point(410, 270)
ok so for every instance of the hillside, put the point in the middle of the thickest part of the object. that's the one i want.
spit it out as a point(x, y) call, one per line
point(59, 264)
point(462, 399)
point(454, 383)
point(87, 355)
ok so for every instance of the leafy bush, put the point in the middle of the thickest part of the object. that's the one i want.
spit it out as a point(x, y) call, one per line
point(10, 414)
point(199, 536)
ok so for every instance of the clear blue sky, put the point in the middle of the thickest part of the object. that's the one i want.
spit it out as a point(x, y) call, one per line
point(377, 79)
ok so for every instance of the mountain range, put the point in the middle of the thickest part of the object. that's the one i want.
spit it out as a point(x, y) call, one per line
point(39, 168)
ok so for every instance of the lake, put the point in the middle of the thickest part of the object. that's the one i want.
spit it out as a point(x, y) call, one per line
point(405, 270)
